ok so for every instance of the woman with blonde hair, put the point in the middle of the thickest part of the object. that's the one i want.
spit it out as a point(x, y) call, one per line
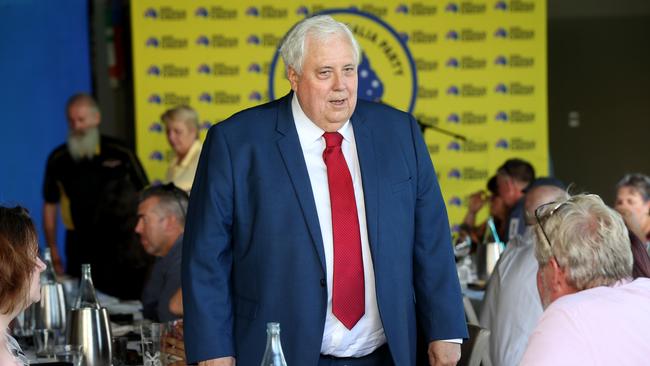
point(182, 127)
point(20, 269)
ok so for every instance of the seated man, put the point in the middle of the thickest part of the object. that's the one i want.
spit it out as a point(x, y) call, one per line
point(594, 313)
point(161, 220)
point(512, 307)
point(497, 210)
point(513, 177)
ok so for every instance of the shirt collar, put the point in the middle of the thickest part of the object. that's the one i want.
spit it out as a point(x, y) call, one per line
point(190, 154)
point(308, 131)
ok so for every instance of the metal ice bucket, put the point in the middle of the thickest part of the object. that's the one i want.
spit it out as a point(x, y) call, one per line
point(50, 312)
point(91, 329)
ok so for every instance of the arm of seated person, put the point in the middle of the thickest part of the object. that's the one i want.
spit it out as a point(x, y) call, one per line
point(176, 303)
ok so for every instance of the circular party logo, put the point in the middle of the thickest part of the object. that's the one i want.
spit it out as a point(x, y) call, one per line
point(386, 72)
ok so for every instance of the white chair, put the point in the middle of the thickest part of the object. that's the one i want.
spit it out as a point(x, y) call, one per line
point(470, 313)
point(476, 349)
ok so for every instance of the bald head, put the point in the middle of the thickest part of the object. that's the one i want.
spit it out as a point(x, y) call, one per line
point(539, 196)
point(83, 114)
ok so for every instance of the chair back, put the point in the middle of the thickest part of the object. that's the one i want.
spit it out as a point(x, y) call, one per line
point(476, 348)
point(470, 313)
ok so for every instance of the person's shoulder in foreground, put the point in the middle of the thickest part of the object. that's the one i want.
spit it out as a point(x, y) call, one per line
point(603, 325)
point(595, 313)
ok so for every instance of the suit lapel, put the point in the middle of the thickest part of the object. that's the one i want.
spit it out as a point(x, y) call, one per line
point(294, 161)
point(369, 173)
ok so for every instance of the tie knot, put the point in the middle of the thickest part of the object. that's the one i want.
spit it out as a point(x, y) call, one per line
point(333, 139)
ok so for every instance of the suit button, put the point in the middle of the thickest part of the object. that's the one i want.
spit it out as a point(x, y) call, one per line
point(322, 282)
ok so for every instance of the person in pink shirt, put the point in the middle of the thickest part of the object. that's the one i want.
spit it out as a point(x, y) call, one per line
point(595, 314)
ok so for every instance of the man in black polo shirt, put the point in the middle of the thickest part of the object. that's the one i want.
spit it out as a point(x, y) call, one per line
point(94, 180)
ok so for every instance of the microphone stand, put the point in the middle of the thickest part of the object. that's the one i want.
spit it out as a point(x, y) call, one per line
point(424, 126)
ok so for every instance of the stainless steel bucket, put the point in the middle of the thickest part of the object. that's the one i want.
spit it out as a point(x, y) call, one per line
point(91, 329)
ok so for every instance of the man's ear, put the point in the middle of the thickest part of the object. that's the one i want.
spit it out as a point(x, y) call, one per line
point(97, 117)
point(169, 222)
point(559, 282)
point(293, 77)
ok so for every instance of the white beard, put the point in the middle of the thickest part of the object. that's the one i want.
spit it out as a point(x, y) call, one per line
point(83, 146)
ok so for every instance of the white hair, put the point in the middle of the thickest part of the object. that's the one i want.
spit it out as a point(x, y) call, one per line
point(588, 239)
point(320, 27)
point(182, 113)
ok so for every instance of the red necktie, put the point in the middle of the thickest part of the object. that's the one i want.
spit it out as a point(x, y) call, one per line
point(348, 296)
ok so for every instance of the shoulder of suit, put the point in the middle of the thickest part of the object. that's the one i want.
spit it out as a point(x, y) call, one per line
point(259, 115)
point(382, 116)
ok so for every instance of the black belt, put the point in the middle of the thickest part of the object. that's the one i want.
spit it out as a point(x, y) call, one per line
point(380, 356)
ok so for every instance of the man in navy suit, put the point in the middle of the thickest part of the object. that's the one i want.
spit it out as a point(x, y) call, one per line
point(264, 229)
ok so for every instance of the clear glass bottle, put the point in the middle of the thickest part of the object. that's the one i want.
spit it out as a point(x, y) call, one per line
point(87, 297)
point(273, 355)
point(48, 276)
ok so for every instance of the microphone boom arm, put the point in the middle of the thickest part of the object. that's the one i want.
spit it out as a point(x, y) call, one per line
point(424, 126)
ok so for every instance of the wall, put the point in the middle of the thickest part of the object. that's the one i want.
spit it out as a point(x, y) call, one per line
point(44, 59)
point(599, 92)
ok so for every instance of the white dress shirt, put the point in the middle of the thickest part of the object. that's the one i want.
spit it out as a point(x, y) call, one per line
point(511, 307)
point(368, 334)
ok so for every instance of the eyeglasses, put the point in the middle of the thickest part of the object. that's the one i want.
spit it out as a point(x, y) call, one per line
point(548, 213)
point(545, 216)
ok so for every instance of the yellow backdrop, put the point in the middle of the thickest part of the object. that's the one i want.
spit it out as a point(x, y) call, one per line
point(475, 68)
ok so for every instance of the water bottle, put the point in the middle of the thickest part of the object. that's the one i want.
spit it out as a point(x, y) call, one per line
point(89, 325)
point(87, 297)
point(273, 355)
point(48, 276)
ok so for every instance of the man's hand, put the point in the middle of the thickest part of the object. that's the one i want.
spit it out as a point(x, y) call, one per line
point(476, 201)
point(173, 345)
point(443, 353)
point(223, 361)
point(174, 348)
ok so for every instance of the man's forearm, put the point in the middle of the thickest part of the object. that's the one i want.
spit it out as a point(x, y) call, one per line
point(49, 226)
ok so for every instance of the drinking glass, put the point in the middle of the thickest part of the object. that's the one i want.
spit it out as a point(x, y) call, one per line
point(71, 353)
point(120, 351)
point(150, 341)
point(44, 341)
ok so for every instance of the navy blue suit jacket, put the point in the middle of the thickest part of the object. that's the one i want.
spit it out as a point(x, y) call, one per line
point(253, 250)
